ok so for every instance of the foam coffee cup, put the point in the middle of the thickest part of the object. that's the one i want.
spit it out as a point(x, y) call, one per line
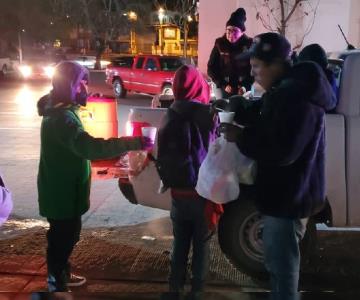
point(149, 132)
point(226, 116)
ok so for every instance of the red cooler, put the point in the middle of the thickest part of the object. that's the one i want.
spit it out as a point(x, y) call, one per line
point(100, 119)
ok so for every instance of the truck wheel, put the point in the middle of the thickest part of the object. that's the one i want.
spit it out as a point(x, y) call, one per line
point(240, 238)
point(4, 71)
point(118, 88)
point(167, 90)
point(240, 231)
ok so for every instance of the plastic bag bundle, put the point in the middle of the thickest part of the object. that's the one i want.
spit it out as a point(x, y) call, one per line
point(222, 170)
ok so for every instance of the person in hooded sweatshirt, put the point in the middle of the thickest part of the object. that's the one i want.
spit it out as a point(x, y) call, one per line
point(315, 53)
point(183, 140)
point(287, 140)
point(64, 168)
point(230, 73)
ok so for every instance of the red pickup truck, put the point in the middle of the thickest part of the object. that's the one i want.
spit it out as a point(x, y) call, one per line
point(149, 74)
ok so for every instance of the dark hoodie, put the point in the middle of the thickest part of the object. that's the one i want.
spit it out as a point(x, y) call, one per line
point(186, 130)
point(288, 142)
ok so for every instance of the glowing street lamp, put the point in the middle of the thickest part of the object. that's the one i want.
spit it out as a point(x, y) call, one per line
point(132, 16)
point(161, 15)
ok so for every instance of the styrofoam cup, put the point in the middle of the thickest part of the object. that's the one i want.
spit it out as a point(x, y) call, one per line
point(149, 132)
point(226, 116)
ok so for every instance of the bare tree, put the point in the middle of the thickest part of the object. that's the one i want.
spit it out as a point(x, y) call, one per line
point(287, 16)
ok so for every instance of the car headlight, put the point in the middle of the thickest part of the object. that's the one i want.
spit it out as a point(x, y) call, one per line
point(49, 71)
point(25, 71)
point(104, 63)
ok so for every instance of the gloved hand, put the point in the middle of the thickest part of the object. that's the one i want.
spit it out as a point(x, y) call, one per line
point(147, 143)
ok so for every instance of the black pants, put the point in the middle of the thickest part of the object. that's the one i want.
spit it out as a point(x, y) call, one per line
point(189, 227)
point(62, 236)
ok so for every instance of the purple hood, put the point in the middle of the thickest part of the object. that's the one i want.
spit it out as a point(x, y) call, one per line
point(66, 80)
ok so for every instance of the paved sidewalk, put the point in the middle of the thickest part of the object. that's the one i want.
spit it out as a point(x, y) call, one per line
point(119, 259)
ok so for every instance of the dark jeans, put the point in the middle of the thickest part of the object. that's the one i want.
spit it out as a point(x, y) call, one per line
point(189, 226)
point(281, 239)
point(62, 236)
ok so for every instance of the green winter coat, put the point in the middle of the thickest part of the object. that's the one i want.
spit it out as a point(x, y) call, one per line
point(64, 168)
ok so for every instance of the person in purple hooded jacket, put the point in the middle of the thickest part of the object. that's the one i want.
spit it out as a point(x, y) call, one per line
point(185, 133)
point(287, 140)
point(64, 168)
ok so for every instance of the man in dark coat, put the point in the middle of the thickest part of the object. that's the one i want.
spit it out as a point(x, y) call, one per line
point(230, 74)
point(287, 139)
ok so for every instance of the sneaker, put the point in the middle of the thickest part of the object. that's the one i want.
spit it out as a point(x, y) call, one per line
point(76, 280)
point(56, 285)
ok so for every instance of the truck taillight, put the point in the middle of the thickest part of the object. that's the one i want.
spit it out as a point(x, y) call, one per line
point(134, 128)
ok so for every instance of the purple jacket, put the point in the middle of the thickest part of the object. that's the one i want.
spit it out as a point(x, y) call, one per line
point(183, 141)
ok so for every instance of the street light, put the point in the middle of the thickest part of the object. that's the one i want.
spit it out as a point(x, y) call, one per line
point(20, 45)
point(187, 20)
point(161, 16)
point(132, 16)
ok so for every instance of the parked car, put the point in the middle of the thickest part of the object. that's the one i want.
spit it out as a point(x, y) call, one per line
point(241, 225)
point(89, 61)
point(149, 74)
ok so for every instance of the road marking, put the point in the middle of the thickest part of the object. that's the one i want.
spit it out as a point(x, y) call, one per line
point(18, 128)
point(11, 113)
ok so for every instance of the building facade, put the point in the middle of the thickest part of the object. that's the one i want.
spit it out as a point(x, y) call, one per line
point(213, 15)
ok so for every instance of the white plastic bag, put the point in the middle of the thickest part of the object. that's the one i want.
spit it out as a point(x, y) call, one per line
point(223, 168)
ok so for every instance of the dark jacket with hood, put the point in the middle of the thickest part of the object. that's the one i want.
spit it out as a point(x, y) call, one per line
point(225, 65)
point(185, 131)
point(64, 168)
point(288, 142)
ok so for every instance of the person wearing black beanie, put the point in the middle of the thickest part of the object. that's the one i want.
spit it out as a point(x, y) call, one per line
point(315, 53)
point(229, 72)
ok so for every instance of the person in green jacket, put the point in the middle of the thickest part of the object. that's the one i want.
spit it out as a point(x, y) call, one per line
point(64, 168)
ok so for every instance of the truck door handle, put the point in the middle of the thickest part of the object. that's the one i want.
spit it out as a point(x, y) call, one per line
point(131, 74)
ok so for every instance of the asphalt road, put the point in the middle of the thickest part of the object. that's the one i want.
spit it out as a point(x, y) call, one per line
point(20, 146)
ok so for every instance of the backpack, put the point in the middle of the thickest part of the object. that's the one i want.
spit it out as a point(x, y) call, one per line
point(180, 151)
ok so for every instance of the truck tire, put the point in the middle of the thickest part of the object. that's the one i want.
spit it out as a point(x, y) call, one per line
point(118, 88)
point(240, 238)
point(167, 90)
point(3, 71)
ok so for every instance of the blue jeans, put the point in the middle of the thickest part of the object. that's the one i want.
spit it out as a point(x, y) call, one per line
point(281, 239)
point(189, 226)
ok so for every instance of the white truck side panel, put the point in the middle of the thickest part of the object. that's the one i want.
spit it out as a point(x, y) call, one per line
point(349, 104)
point(353, 169)
point(335, 168)
point(146, 186)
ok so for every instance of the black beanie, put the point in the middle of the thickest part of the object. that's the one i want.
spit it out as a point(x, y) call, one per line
point(237, 19)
